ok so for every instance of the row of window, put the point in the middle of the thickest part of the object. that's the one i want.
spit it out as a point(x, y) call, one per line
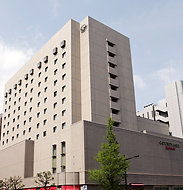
point(45, 60)
point(29, 130)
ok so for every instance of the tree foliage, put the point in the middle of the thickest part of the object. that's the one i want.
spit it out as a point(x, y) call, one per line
point(12, 183)
point(112, 164)
point(44, 179)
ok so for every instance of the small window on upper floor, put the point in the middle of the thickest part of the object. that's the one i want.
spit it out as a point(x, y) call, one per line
point(13, 120)
point(113, 87)
point(17, 136)
point(20, 90)
point(55, 94)
point(26, 94)
point(63, 54)
point(114, 111)
point(62, 44)
point(46, 79)
point(55, 51)
point(26, 76)
point(31, 90)
point(14, 103)
point(25, 122)
point(38, 114)
point(110, 44)
point(45, 100)
point(37, 136)
point(44, 122)
point(46, 69)
point(9, 107)
point(63, 100)
point(63, 88)
point(63, 125)
point(63, 65)
point(18, 126)
point(39, 84)
point(6, 140)
point(55, 82)
point(45, 59)
point(113, 99)
point(12, 138)
point(45, 89)
point(18, 108)
point(31, 99)
point(30, 119)
point(26, 85)
point(30, 129)
point(15, 94)
point(24, 132)
point(39, 74)
point(38, 104)
point(55, 71)
point(44, 134)
point(111, 54)
point(39, 65)
point(38, 124)
point(25, 112)
point(32, 80)
point(55, 61)
point(54, 129)
point(18, 117)
point(55, 105)
point(9, 99)
point(45, 110)
point(30, 109)
point(8, 123)
point(25, 103)
point(13, 128)
point(39, 93)
point(63, 76)
point(63, 112)
point(19, 99)
point(112, 65)
point(112, 76)
point(55, 117)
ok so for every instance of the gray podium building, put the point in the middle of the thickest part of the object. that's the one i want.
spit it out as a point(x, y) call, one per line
point(57, 105)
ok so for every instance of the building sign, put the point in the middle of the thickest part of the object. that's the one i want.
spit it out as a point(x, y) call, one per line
point(168, 145)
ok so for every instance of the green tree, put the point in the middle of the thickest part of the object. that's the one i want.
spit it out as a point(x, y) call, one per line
point(1, 184)
point(15, 183)
point(112, 164)
point(44, 179)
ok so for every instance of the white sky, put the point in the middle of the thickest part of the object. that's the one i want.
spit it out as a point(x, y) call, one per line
point(155, 29)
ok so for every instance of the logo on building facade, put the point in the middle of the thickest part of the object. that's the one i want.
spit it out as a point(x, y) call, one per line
point(168, 145)
point(83, 28)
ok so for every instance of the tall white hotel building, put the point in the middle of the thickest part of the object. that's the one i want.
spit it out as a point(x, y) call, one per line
point(57, 105)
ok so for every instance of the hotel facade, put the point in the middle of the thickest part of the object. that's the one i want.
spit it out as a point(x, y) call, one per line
point(57, 105)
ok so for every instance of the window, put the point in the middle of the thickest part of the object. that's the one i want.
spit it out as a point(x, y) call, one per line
point(15, 86)
point(39, 84)
point(110, 44)
point(46, 69)
point(45, 89)
point(63, 156)
point(38, 104)
point(30, 119)
point(63, 65)
point(25, 122)
point(15, 94)
point(55, 117)
point(114, 87)
point(54, 158)
point(19, 99)
point(38, 114)
point(63, 112)
point(39, 74)
point(39, 93)
point(5, 102)
point(9, 107)
point(26, 85)
point(63, 125)
point(26, 76)
point(62, 44)
point(24, 132)
point(19, 82)
point(55, 94)
point(116, 124)
point(6, 140)
point(31, 99)
point(111, 54)
point(13, 120)
point(17, 136)
point(25, 103)
point(45, 110)
point(30, 129)
point(63, 100)
point(114, 111)
point(13, 128)
point(31, 90)
point(25, 112)
point(9, 99)
point(18, 107)
point(18, 126)
point(46, 79)
point(55, 51)
point(112, 76)
point(55, 61)
point(44, 134)
point(12, 138)
point(63, 76)
point(8, 115)
point(45, 59)
point(32, 80)
point(37, 136)
point(55, 71)
point(26, 94)
point(112, 65)
point(63, 54)
point(14, 102)
point(113, 99)
point(55, 82)
point(39, 65)
point(44, 122)
point(45, 100)
point(7, 132)
point(38, 124)
point(54, 129)
point(20, 90)
point(63, 88)
point(18, 117)
point(55, 105)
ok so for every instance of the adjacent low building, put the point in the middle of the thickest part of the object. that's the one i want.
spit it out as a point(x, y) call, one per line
point(56, 109)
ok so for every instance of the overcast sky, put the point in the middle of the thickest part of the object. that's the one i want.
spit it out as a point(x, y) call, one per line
point(155, 29)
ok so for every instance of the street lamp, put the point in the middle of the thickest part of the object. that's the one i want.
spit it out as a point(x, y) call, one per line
point(125, 170)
